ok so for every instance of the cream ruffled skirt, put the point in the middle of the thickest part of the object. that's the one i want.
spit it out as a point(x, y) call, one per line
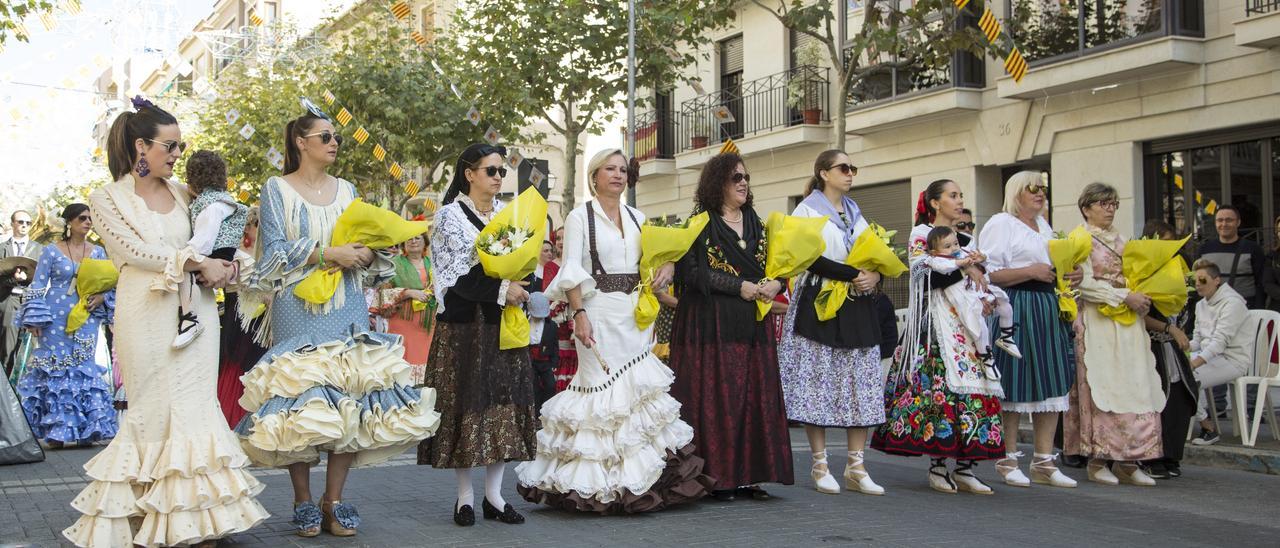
point(345, 396)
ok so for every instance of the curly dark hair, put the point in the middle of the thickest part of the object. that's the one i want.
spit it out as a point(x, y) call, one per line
point(717, 174)
point(206, 170)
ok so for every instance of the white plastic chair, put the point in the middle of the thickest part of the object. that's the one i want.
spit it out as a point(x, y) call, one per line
point(1264, 371)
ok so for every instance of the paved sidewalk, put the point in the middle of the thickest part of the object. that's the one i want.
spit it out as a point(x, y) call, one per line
point(407, 505)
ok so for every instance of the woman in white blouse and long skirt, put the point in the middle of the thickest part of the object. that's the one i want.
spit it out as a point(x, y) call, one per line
point(612, 441)
point(1016, 243)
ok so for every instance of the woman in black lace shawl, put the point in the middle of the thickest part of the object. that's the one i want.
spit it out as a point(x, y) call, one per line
point(725, 361)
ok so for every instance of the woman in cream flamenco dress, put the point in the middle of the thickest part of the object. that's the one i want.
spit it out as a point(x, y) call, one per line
point(612, 442)
point(174, 474)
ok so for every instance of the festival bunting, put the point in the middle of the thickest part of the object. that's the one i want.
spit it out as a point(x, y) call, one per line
point(1014, 63)
point(411, 188)
point(343, 117)
point(729, 147)
point(400, 10)
point(361, 135)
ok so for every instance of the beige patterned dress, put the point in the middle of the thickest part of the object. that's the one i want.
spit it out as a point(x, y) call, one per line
point(1117, 398)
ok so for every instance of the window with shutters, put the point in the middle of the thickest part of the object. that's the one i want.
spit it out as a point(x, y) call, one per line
point(731, 83)
point(427, 20)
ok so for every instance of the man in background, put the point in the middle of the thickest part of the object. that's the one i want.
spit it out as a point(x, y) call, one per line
point(964, 223)
point(20, 244)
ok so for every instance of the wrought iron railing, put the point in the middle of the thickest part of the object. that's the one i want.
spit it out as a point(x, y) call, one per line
point(756, 106)
point(1255, 7)
point(655, 135)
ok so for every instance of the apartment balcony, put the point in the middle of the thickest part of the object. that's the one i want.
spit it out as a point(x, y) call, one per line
point(1074, 46)
point(778, 111)
point(1260, 27)
point(656, 142)
point(900, 92)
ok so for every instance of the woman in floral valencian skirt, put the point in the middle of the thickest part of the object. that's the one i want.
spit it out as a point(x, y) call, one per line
point(831, 368)
point(942, 400)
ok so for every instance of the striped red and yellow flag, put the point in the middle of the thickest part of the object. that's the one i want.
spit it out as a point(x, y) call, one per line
point(47, 19)
point(411, 188)
point(244, 196)
point(418, 37)
point(989, 25)
point(344, 116)
point(400, 10)
point(361, 135)
point(395, 170)
point(71, 6)
point(378, 152)
point(20, 29)
point(1016, 65)
point(960, 4)
point(254, 18)
point(729, 147)
point(329, 98)
point(231, 183)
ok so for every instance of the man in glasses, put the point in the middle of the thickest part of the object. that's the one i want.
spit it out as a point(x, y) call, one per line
point(20, 245)
point(964, 223)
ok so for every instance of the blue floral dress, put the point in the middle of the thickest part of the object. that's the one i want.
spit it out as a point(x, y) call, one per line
point(64, 391)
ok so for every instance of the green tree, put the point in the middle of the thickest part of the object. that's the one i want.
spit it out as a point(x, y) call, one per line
point(894, 35)
point(263, 96)
point(384, 79)
point(565, 62)
point(13, 12)
point(392, 87)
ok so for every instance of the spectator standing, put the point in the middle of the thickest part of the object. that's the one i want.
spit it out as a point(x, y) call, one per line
point(1240, 261)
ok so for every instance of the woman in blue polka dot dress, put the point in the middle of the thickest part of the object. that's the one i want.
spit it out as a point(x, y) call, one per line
point(327, 384)
point(64, 392)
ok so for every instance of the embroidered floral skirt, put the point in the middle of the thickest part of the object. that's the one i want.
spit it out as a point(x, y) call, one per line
point(924, 417)
point(485, 399)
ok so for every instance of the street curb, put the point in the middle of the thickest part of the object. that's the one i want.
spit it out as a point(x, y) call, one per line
point(1227, 457)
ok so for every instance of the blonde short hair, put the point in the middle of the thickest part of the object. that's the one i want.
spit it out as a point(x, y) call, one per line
point(597, 162)
point(1013, 189)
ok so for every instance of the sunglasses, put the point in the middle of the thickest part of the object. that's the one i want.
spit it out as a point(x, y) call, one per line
point(23, 223)
point(1202, 281)
point(847, 169)
point(1110, 204)
point(325, 137)
point(965, 226)
point(1036, 188)
point(493, 170)
point(740, 177)
point(170, 146)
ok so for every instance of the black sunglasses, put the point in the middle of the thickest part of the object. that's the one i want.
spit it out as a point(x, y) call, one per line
point(326, 136)
point(740, 177)
point(847, 169)
point(170, 146)
point(965, 226)
point(493, 170)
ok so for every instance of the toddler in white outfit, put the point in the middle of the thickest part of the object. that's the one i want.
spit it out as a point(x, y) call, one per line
point(946, 256)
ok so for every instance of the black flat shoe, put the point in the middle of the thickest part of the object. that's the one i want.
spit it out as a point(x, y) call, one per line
point(507, 515)
point(754, 492)
point(464, 516)
point(723, 495)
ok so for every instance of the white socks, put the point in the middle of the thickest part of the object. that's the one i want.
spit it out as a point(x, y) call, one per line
point(466, 496)
point(493, 484)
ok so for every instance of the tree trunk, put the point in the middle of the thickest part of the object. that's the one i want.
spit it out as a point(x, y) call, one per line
point(570, 158)
point(838, 107)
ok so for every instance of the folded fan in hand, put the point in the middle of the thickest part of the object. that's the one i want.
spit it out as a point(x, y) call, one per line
point(793, 243)
point(93, 277)
point(360, 223)
point(660, 245)
point(871, 252)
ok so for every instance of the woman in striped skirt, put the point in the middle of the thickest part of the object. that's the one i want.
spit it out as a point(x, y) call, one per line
point(1016, 245)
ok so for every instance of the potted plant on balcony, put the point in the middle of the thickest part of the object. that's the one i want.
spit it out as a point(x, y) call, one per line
point(700, 130)
point(804, 89)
